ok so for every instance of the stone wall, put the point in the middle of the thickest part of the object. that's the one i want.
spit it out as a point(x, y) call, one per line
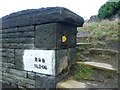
point(14, 41)
point(27, 35)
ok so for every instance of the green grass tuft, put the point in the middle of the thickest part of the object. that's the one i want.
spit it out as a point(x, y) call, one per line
point(83, 72)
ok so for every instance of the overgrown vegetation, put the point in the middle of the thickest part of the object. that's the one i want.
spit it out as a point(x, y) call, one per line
point(108, 9)
point(101, 32)
point(83, 72)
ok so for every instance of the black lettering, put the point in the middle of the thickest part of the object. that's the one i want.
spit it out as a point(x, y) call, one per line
point(35, 59)
point(39, 59)
point(43, 60)
point(39, 66)
point(45, 67)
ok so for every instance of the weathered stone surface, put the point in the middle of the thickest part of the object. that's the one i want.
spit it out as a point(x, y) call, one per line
point(102, 66)
point(30, 87)
point(6, 82)
point(49, 36)
point(8, 53)
point(18, 73)
point(5, 70)
point(18, 40)
point(44, 81)
point(19, 63)
point(0, 31)
point(14, 85)
point(45, 36)
point(7, 79)
point(61, 61)
point(19, 52)
point(8, 50)
point(10, 78)
point(8, 65)
point(72, 56)
point(31, 75)
point(71, 84)
point(19, 59)
point(8, 60)
point(40, 16)
point(20, 29)
point(102, 51)
point(18, 35)
point(18, 46)
point(27, 81)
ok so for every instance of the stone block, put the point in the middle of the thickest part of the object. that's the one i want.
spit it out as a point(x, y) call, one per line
point(18, 35)
point(61, 61)
point(7, 65)
point(19, 63)
point(0, 31)
point(18, 73)
point(8, 60)
point(72, 56)
point(31, 75)
point(18, 46)
point(47, 82)
point(40, 16)
point(19, 59)
point(27, 81)
point(5, 70)
point(19, 52)
point(7, 52)
point(55, 36)
point(18, 40)
point(30, 87)
point(20, 29)
point(9, 30)
point(9, 79)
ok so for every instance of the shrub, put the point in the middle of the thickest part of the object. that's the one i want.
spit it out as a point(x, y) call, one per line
point(108, 9)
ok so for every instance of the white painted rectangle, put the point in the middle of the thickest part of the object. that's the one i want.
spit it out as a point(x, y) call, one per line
point(40, 61)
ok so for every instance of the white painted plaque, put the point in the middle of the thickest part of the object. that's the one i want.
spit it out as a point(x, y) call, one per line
point(40, 61)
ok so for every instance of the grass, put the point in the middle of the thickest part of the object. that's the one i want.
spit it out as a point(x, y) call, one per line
point(104, 31)
point(83, 72)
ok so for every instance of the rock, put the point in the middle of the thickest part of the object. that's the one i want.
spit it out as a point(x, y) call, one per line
point(40, 16)
point(93, 18)
point(102, 66)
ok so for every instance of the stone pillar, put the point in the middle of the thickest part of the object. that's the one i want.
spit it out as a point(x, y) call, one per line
point(53, 48)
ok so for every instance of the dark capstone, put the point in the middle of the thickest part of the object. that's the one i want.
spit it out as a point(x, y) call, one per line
point(49, 36)
point(48, 82)
point(40, 16)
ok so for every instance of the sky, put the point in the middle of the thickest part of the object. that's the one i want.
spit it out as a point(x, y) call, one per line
point(84, 8)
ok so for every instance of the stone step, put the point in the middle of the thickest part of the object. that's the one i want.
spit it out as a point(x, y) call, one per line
point(103, 51)
point(83, 34)
point(101, 66)
point(71, 84)
point(79, 44)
